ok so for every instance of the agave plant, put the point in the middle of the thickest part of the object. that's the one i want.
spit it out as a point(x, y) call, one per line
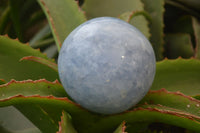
point(29, 79)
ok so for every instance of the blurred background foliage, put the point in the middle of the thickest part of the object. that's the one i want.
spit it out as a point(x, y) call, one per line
point(172, 26)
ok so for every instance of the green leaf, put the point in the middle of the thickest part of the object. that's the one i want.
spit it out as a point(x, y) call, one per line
point(13, 120)
point(40, 87)
point(35, 113)
point(40, 36)
point(51, 51)
point(3, 130)
point(26, 19)
point(156, 10)
point(43, 43)
point(196, 28)
point(51, 108)
point(190, 3)
point(178, 75)
point(38, 116)
point(183, 25)
point(15, 7)
point(183, 7)
point(121, 128)
point(65, 125)
point(63, 17)
point(139, 19)
point(100, 8)
point(4, 19)
point(178, 45)
point(187, 106)
point(11, 67)
point(178, 110)
point(43, 61)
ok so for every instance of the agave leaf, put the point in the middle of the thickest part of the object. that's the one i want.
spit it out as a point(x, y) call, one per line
point(127, 16)
point(4, 19)
point(63, 17)
point(26, 17)
point(154, 108)
point(13, 120)
point(49, 109)
point(139, 19)
point(183, 7)
point(99, 8)
point(138, 127)
point(15, 17)
point(65, 125)
point(191, 3)
point(3, 130)
point(196, 28)
point(187, 105)
point(31, 130)
point(156, 10)
point(43, 43)
point(11, 68)
point(38, 116)
point(40, 36)
point(121, 128)
point(178, 75)
point(178, 45)
point(34, 112)
point(40, 87)
point(183, 25)
point(190, 25)
point(51, 51)
point(43, 61)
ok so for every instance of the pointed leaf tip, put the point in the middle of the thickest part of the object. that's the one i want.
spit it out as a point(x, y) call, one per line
point(121, 128)
point(65, 125)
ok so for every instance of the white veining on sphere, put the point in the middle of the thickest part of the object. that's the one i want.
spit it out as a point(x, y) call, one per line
point(92, 71)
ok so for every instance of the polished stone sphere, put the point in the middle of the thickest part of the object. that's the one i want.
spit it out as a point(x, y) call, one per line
point(106, 65)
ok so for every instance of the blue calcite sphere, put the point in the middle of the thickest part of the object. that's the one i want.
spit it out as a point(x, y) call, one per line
point(106, 65)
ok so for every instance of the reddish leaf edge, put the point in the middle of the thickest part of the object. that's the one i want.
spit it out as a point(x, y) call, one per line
point(43, 61)
point(57, 39)
point(175, 93)
point(107, 118)
point(50, 97)
point(53, 25)
point(168, 110)
point(27, 44)
point(124, 127)
point(152, 114)
point(60, 123)
point(30, 81)
point(137, 13)
point(62, 120)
